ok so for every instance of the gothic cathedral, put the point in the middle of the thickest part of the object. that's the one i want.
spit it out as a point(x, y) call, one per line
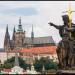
point(19, 40)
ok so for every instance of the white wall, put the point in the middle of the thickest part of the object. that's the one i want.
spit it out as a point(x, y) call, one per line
point(3, 56)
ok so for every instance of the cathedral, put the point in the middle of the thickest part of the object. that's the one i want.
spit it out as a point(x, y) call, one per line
point(19, 39)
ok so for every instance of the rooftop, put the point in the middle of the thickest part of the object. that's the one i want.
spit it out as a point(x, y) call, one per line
point(40, 40)
point(40, 50)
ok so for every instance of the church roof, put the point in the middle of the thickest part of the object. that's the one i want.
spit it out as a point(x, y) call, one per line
point(40, 40)
point(40, 50)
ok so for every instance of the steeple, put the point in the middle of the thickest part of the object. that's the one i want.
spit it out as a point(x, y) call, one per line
point(7, 39)
point(7, 33)
point(14, 29)
point(13, 37)
point(32, 36)
point(20, 21)
point(20, 26)
point(7, 36)
point(7, 29)
point(32, 33)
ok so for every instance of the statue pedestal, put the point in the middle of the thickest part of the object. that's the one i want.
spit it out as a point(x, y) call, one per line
point(65, 72)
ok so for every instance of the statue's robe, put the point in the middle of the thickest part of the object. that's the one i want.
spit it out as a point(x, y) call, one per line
point(72, 46)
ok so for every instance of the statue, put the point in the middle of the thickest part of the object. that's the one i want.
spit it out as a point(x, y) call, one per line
point(72, 46)
point(62, 28)
point(65, 47)
point(63, 34)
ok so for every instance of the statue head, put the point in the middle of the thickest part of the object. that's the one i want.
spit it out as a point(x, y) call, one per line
point(65, 19)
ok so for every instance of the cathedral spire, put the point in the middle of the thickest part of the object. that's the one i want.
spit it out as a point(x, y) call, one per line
point(20, 26)
point(7, 33)
point(20, 21)
point(14, 29)
point(32, 33)
point(32, 36)
point(7, 39)
point(13, 37)
point(7, 29)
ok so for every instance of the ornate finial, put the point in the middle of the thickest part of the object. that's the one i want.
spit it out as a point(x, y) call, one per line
point(20, 21)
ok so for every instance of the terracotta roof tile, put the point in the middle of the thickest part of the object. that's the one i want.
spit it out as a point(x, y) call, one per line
point(7, 70)
point(38, 50)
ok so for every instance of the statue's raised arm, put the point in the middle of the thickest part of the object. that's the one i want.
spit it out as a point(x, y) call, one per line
point(61, 28)
point(51, 24)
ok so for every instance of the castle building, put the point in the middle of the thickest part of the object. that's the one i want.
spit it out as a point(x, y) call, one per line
point(28, 48)
point(19, 39)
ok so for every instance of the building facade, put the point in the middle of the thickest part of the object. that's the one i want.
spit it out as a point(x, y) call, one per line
point(19, 39)
point(31, 54)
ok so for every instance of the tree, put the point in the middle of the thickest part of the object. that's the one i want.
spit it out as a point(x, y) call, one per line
point(23, 64)
point(9, 63)
point(46, 62)
point(1, 66)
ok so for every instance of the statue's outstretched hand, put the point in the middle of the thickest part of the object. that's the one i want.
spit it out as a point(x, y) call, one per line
point(50, 23)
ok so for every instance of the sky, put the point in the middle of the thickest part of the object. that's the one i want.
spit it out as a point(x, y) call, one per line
point(36, 13)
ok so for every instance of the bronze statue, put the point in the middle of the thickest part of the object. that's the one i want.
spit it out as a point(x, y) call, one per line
point(72, 46)
point(62, 28)
point(65, 47)
point(61, 52)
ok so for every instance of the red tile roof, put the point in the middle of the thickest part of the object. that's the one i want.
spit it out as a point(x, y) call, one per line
point(7, 70)
point(38, 50)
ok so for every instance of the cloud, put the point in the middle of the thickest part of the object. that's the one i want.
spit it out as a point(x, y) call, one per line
point(27, 11)
point(38, 13)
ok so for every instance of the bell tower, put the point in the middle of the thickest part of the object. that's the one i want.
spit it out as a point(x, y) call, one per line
point(19, 35)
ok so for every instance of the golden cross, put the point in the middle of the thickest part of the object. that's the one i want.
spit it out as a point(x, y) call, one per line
point(69, 11)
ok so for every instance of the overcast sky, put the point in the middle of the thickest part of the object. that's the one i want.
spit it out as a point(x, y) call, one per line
point(38, 13)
